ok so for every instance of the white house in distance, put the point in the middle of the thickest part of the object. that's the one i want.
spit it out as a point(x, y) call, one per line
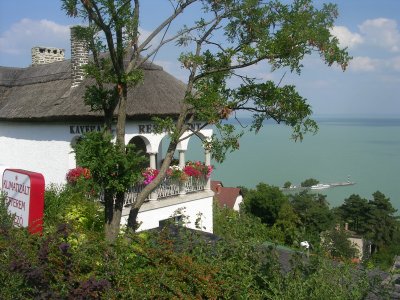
point(42, 114)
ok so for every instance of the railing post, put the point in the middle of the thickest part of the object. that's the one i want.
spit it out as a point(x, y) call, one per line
point(182, 188)
point(182, 159)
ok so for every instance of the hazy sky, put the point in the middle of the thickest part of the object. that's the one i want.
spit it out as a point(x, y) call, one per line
point(369, 28)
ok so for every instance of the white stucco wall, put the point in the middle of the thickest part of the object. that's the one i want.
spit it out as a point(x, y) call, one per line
point(36, 147)
point(152, 213)
point(238, 201)
point(46, 147)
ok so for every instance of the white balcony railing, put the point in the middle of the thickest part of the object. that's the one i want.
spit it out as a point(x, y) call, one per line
point(168, 188)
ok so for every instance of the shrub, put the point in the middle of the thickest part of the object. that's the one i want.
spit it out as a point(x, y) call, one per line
point(64, 204)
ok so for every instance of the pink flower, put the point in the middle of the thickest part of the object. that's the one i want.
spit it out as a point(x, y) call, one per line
point(149, 174)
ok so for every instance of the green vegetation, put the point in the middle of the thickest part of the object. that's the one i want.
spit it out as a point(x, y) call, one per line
point(287, 184)
point(72, 260)
point(224, 38)
point(293, 218)
point(309, 182)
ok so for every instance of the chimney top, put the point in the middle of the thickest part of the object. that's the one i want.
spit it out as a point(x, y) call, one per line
point(79, 57)
point(45, 55)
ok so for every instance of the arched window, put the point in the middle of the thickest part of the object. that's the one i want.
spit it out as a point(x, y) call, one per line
point(140, 145)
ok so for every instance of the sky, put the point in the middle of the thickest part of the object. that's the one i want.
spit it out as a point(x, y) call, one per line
point(369, 28)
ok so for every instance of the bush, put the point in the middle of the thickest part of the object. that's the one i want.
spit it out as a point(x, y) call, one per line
point(179, 263)
point(65, 204)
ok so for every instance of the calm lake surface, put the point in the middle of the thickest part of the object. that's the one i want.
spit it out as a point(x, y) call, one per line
point(366, 149)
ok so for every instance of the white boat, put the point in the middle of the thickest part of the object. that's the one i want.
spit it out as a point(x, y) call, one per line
point(320, 186)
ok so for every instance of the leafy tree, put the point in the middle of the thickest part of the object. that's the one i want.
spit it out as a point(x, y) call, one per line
point(309, 182)
point(356, 212)
point(225, 38)
point(337, 244)
point(287, 184)
point(233, 226)
point(290, 224)
point(265, 202)
point(111, 171)
point(314, 213)
point(383, 221)
point(374, 219)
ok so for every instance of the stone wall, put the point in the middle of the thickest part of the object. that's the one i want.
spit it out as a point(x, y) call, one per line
point(46, 55)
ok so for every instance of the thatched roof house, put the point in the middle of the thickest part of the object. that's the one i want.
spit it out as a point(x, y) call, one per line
point(44, 93)
point(42, 110)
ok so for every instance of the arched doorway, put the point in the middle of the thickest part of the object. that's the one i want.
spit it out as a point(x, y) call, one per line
point(140, 146)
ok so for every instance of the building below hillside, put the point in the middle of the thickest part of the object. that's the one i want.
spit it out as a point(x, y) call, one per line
point(43, 115)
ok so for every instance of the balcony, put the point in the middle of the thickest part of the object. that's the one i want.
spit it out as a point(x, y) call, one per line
point(168, 188)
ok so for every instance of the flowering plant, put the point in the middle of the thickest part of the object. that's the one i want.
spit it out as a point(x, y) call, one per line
point(149, 174)
point(197, 169)
point(75, 174)
point(175, 172)
point(192, 169)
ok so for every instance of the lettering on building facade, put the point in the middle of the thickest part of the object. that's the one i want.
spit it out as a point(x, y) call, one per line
point(81, 129)
point(151, 128)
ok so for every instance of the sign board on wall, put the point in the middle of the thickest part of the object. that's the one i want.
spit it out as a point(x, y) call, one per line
point(25, 197)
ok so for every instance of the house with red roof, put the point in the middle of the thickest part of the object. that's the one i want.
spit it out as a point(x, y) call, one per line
point(227, 196)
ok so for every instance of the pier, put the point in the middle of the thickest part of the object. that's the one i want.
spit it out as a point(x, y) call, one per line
point(324, 186)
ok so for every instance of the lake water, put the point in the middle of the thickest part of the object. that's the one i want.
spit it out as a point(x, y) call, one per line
point(366, 149)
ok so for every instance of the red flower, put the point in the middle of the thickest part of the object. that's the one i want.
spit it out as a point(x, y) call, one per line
point(74, 174)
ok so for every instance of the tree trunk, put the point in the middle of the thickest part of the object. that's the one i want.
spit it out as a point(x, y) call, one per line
point(133, 213)
point(121, 121)
point(113, 214)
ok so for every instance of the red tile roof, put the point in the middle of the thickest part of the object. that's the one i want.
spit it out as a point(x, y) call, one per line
point(226, 196)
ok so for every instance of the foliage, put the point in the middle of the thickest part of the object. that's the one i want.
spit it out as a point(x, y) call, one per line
point(287, 184)
point(46, 267)
point(309, 182)
point(225, 38)
point(265, 202)
point(336, 242)
point(69, 205)
point(109, 169)
point(289, 224)
point(165, 264)
point(6, 219)
point(317, 278)
point(373, 219)
point(234, 226)
point(314, 213)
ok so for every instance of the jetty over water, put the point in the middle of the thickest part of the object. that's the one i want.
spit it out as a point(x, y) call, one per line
point(317, 187)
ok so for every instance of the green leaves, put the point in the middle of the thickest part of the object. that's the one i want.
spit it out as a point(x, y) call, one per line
point(109, 168)
point(226, 140)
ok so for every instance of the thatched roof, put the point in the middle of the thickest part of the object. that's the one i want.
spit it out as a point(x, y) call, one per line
point(43, 93)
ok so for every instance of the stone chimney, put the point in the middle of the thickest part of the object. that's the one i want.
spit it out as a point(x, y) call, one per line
point(79, 57)
point(46, 55)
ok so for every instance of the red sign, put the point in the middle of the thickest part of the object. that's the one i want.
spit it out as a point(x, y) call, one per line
point(24, 192)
